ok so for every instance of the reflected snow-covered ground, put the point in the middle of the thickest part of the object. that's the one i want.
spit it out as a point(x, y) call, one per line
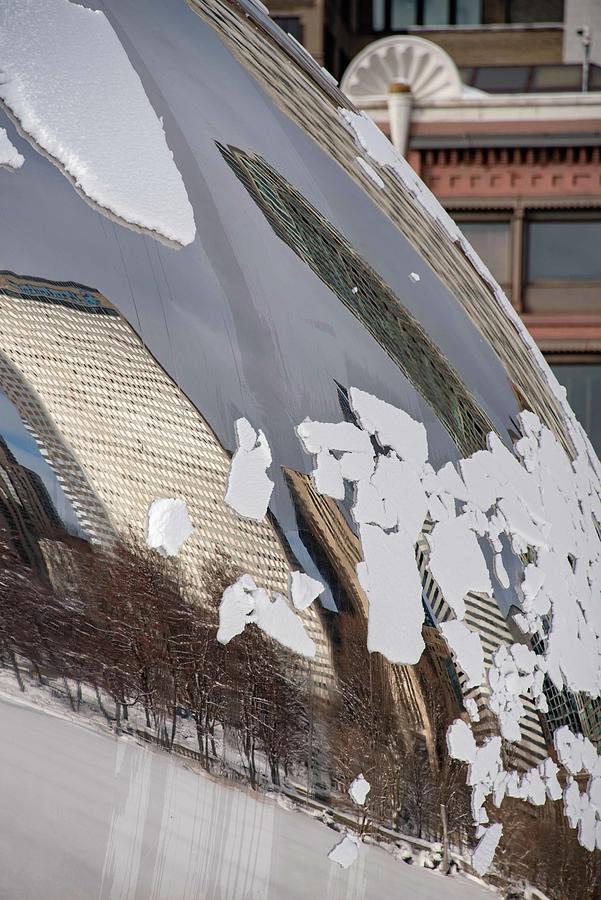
point(94, 810)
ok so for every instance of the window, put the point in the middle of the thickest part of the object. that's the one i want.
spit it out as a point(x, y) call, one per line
point(562, 269)
point(402, 14)
point(291, 25)
point(492, 241)
point(564, 250)
point(545, 261)
point(398, 15)
point(436, 12)
point(583, 384)
point(498, 12)
point(468, 12)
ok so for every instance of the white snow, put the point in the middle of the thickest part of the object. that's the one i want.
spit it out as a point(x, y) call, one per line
point(128, 821)
point(69, 83)
point(168, 525)
point(376, 145)
point(391, 426)
point(370, 171)
point(485, 851)
point(274, 616)
point(327, 475)
point(472, 709)
point(456, 563)
point(243, 603)
point(346, 851)
point(339, 436)
point(9, 155)
point(461, 742)
point(249, 488)
point(533, 502)
point(466, 648)
point(235, 609)
point(391, 581)
point(359, 789)
point(303, 589)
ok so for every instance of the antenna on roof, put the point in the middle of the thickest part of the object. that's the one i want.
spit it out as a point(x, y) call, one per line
point(584, 33)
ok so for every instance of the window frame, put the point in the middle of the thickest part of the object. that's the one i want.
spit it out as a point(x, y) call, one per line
point(420, 7)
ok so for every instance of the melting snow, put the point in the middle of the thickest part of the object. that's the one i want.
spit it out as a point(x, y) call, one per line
point(249, 488)
point(374, 142)
point(391, 426)
point(303, 589)
point(391, 581)
point(461, 742)
point(345, 853)
point(359, 790)
point(370, 171)
point(485, 851)
point(70, 84)
point(168, 525)
point(457, 563)
point(534, 502)
point(243, 603)
point(472, 709)
point(466, 647)
point(9, 155)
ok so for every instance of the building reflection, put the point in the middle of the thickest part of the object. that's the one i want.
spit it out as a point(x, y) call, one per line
point(27, 513)
point(118, 433)
point(366, 295)
point(315, 111)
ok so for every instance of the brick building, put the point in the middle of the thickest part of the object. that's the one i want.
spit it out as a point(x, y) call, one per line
point(520, 171)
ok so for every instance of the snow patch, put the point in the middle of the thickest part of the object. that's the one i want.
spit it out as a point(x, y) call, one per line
point(370, 171)
point(168, 525)
point(359, 789)
point(466, 648)
point(249, 488)
point(69, 83)
point(9, 155)
point(303, 589)
point(484, 853)
point(346, 851)
point(243, 603)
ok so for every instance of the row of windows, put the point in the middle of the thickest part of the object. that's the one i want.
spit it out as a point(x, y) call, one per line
point(554, 248)
point(553, 261)
point(397, 15)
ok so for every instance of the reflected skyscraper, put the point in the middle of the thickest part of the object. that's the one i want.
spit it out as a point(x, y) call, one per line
point(366, 295)
point(119, 433)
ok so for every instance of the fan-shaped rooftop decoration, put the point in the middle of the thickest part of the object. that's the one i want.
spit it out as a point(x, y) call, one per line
point(424, 66)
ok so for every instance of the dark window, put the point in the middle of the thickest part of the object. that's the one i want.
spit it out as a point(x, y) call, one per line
point(519, 11)
point(492, 241)
point(379, 15)
point(402, 14)
point(292, 25)
point(502, 79)
point(436, 12)
point(564, 250)
point(583, 384)
point(398, 15)
point(468, 12)
point(525, 79)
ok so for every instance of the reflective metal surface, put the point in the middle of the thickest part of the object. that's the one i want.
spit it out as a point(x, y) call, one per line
point(124, 363)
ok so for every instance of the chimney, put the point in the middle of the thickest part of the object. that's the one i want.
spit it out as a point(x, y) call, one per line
point(400, 102)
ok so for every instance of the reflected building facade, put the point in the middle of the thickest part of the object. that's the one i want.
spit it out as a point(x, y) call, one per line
point(74, 367)
point(367, 296)
point(294, 286)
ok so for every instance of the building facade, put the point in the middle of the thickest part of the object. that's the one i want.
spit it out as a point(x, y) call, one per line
point(476, 33)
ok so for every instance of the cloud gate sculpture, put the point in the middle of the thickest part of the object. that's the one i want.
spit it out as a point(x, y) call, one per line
point(281, 472)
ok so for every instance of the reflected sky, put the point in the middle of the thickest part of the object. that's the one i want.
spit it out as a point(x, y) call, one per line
point(26, 451)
